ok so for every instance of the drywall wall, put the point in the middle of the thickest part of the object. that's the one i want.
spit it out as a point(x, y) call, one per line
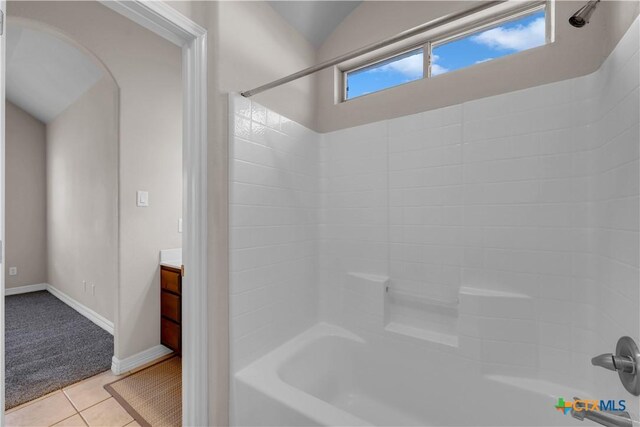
point(82, 199)
point(258, 46)
point(26, 193)
point(207, 14)
point(147, 70)
point(248, 44)
point(574, 53)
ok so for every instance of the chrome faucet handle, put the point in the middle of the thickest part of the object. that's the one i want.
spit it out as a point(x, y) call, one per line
point(626, 361)
point(615, 363)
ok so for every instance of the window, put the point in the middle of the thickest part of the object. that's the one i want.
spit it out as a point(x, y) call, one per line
point(394, 71)
point(510, 33)
point(513, 36)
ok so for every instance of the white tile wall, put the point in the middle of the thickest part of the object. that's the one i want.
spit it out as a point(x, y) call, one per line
point(274, 202)
point(615, 219)
point(528, 200)
point(498, 194)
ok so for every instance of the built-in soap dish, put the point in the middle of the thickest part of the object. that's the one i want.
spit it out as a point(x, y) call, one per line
point(422, 334)
point(421, 317)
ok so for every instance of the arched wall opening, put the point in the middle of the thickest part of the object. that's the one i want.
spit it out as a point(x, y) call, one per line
point(62, 211)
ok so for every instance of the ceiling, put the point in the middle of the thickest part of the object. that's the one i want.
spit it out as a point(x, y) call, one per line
point(45, 74)
point(315, 20)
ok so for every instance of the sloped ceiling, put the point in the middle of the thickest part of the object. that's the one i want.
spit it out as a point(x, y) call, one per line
point(45, 74)
point(315, 20)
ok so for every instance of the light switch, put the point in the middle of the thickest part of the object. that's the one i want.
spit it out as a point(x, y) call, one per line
point(179, 225)
point(142, 199)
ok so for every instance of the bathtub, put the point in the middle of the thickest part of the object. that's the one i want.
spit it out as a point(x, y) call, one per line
point(329, 376)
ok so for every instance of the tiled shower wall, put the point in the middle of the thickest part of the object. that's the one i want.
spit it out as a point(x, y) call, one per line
point(528, 198)
point(533, 193)
point(614, 190)
point(273, 238)
point(491, 195)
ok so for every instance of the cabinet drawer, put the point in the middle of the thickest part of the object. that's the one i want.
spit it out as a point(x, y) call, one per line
point(170, 335)
point(170, 306)
point(170, 280)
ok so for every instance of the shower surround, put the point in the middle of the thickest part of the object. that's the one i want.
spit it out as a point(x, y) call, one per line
point(495, 242)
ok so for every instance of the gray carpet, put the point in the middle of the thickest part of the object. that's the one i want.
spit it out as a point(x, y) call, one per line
point(49, 345)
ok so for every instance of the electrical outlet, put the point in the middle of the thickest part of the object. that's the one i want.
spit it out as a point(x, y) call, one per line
point(13, 271)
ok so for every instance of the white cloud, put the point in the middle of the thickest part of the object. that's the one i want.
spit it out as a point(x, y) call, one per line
point(411, 66)
point(518, 38)
point(435, 67)
point(438, 69)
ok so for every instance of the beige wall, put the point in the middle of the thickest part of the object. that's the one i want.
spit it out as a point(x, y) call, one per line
point(82, 199)
point(147, 70)
point(26, 231)
point(618, 17)
point(248, 44)
point(576, 52)
point(257, 46)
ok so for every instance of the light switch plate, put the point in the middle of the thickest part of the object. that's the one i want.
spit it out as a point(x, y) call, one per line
point(13, 271)
point(179, 225)
point(142, 199)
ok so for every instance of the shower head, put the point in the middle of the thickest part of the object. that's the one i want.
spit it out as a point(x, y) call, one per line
point(581, 17)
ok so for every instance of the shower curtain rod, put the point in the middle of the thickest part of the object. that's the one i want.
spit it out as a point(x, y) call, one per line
point(374, 46)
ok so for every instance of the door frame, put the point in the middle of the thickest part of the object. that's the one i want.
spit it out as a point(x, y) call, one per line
point(192, 38)
point(3, 39)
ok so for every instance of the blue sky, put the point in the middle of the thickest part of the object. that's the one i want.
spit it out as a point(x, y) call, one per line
point(515, 36)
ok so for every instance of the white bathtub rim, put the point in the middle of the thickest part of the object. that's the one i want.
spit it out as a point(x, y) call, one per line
point(262, 375)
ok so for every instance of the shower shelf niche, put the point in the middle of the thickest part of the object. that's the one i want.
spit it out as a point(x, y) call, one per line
point(421, 317)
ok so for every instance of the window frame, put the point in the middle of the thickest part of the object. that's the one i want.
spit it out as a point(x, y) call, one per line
point(379, 60)
point(428, 43)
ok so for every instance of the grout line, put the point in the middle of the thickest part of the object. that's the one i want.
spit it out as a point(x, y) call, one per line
point(70, 386)
point(77, 413)
point(90, 406)
point(31, 402)
point(84, 420)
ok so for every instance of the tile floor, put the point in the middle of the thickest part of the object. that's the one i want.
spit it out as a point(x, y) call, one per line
point(85, 403)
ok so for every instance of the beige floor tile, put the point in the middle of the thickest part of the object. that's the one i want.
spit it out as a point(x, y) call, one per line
point(75, 421)
point(44, 412)
point(106, 414)
point(90, 391)
point(15, 408)
point(133, 424)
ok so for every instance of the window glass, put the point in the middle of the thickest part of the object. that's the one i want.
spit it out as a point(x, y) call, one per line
point(394, 71)
point(520, 34)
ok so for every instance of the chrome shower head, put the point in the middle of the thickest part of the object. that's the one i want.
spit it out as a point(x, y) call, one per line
point(581, 17)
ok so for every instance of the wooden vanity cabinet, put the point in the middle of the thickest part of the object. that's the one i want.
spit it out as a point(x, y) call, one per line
point(171, 308)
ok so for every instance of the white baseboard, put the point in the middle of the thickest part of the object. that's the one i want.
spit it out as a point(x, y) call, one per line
point(132, 362)
point(99, 320)
point(26, 288)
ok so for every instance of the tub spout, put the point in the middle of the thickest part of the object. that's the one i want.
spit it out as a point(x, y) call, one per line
point(605, 418)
